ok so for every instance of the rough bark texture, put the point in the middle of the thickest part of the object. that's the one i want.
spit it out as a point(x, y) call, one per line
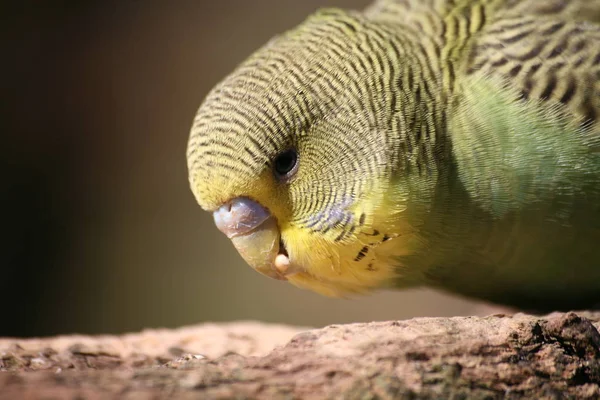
point(500, 356)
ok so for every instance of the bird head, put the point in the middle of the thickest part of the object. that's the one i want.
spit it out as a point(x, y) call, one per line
point(298, 155)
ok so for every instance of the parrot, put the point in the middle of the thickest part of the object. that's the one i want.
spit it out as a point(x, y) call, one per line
point(451, 144)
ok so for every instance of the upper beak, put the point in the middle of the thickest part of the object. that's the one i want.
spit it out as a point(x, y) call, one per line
point(255, 235)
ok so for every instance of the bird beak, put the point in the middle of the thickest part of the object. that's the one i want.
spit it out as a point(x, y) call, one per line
point(256, 236)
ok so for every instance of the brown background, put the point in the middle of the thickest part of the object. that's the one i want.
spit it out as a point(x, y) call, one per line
point(100, 230)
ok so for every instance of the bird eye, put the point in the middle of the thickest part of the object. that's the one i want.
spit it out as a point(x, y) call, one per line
point(286, 163)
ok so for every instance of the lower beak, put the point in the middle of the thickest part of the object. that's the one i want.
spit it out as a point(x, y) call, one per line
point(256, 236)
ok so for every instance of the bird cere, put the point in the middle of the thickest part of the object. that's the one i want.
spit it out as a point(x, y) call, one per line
point(443, 143)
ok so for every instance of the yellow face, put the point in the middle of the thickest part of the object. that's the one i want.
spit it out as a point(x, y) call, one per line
point(311, 211)
point(295, 156)
point(364, 260)
point(333, 248)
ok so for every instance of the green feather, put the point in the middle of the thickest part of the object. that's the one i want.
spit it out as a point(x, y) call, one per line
point(518, 221)
point(514, 154)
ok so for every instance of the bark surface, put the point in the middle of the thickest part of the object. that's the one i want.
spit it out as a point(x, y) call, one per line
point(499, 356)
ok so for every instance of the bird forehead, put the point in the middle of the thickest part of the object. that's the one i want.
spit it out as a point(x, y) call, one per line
point(291, 81)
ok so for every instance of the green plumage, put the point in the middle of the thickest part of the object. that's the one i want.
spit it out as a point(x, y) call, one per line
point(467, 131)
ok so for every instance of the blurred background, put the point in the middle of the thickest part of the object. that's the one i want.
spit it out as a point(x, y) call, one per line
point(100, 232)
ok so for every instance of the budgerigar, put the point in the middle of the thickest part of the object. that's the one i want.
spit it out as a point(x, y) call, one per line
point(445, 143)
